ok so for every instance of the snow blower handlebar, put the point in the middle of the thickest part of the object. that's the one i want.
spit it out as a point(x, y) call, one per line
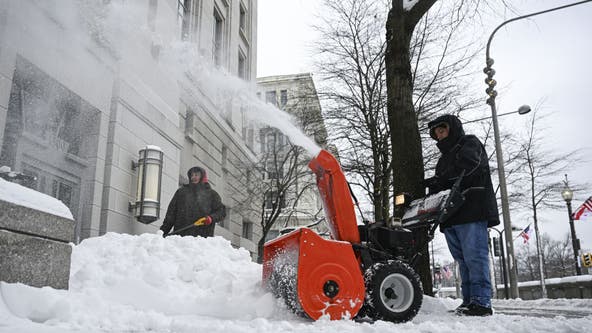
point(435, 209)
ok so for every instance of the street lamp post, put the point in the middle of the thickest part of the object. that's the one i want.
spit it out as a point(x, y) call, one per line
point(491, 83)
point(567, 195)
point(524, 109)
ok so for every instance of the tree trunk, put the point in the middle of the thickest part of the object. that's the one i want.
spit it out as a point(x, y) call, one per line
point(405, 139)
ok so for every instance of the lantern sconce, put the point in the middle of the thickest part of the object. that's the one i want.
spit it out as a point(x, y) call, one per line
point(149, 176)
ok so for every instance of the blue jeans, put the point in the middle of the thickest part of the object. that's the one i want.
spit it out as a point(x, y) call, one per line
point(468, 245)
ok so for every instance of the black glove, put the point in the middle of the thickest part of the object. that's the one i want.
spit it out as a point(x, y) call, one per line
point(434, 184)
point(429, 182)
point(165, 230)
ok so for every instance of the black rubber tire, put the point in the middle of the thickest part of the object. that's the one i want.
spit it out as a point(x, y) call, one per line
point(393, 292)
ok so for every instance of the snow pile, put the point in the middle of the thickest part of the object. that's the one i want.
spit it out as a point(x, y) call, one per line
point(120, 282)
point(183, 284)
point(23, 196)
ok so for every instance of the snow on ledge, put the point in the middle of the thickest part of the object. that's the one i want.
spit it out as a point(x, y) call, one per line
point(23, 196)
point(552, 281)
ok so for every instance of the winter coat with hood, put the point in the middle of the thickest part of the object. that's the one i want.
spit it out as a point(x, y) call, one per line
point(192, 202)
point(464, 152)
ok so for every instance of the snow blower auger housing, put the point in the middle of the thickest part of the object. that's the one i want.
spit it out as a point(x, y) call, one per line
point(362, 271)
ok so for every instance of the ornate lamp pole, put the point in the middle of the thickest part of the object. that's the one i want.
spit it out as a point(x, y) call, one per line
point(567, 195)
point(491, 83)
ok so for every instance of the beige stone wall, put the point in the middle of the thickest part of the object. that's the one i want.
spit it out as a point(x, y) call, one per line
point(138, 103)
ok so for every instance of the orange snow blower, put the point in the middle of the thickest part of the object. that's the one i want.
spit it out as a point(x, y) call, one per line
point(363, 270)
point(316, 276)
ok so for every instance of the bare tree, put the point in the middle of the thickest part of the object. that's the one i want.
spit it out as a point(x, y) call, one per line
point(558, 259)
point(351, 63)
point(538, 168)
point(527, 263)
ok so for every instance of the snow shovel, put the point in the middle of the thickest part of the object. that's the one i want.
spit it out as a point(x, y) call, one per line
point(197, 223)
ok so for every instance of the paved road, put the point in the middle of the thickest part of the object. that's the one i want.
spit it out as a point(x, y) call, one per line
point(545, 312)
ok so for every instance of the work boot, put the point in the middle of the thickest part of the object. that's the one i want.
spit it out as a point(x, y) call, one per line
point(476, 310)
point(459, 309)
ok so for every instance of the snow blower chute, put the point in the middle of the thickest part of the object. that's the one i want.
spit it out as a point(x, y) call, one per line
point(363, 270)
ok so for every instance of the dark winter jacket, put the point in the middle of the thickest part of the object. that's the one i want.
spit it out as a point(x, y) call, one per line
point(192, 202)
point(464, 152)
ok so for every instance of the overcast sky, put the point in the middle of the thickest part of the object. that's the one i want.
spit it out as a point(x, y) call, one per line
point(543, 58)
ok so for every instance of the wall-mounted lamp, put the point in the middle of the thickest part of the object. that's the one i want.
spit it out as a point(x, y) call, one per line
point(149, 166)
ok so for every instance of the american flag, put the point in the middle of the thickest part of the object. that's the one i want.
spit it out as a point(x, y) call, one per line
point(525, 234)
point(584, 212)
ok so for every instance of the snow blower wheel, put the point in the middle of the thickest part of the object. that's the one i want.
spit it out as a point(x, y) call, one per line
point(283, 285)
point(394, 292)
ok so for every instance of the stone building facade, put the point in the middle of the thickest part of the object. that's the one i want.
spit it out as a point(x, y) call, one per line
point(84, 85)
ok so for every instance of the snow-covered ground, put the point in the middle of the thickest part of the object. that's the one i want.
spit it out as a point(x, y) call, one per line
point(123, 283)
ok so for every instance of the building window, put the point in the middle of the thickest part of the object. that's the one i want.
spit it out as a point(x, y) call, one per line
point(271, 97)
point(62, 192)
point(225, 223)
point(244, 122)
point(283, 98)
point(34, 182)
point(271, 199)
point(242, 24)
point(187, 18)
point(183, 19)
point(274, 171)
point(251, 137)
point(42, 108)
point(247, 230)
point(154, 47)
point(242, 66)
point(272, 140)
point(218, 37)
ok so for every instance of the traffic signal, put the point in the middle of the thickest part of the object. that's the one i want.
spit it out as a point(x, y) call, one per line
point(587, 260)
point(496, 247)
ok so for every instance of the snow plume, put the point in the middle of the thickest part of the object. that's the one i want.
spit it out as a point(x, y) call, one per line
point(200, 77)
point(121, 29)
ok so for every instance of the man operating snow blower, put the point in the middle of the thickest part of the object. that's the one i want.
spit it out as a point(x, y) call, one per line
point(466, 230)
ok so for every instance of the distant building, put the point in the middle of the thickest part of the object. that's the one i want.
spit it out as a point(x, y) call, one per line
point(297, 95)
point(83, 87)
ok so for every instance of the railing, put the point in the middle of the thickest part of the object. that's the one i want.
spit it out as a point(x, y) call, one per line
point(566, 287)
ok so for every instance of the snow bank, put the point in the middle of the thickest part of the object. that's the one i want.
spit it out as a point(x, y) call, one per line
point(23, 196)
point(183, 284)
point(120, 281)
